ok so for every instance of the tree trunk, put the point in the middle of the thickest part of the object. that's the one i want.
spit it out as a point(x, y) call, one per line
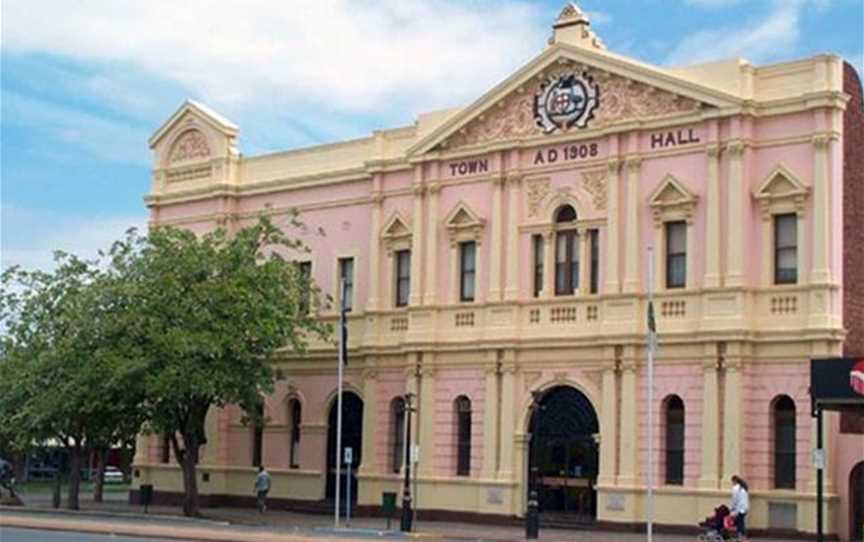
point(188, 460)
point(75, 459)
point(99, 482)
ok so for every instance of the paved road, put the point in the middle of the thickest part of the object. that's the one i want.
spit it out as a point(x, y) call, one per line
point(33, 535)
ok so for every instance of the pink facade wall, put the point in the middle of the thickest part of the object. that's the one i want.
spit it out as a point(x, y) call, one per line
point(449, 385)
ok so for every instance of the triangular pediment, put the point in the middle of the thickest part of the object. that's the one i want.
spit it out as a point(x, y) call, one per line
point(780, 183)
point(192, 112)
point(671, 192)
point(626, 90)
point(397, 227)
point(462, 216)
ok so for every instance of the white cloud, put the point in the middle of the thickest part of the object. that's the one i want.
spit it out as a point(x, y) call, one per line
point(774, 36)
point(335, 54)
point(713, 3)
point(29, 238)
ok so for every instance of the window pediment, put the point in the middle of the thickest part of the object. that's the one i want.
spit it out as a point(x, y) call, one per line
point(672, 200)
point(463, 223)
point(781, 191)
point(396, 233)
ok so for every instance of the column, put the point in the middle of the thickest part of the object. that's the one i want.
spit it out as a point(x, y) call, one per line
point(735, 215)
point(690, 277)
point(495, 249)
point(608, 428)
point(710, 462)
point(629, 438)
point(712, 219)
point(584, 262)
point(612, 224)
point(426, 418)
point(511, 290)
point(431, 297)
point(374, 251)
point(548, 265)
point(416, 296)
point(631, 261)
point(490, 418)
point(732, 420)
point(368, 463)
point(508, 419)
point(821, 273)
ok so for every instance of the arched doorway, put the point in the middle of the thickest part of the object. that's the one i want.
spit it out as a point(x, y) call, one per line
point(352, 437)
point(856, 503)
point(563, 457)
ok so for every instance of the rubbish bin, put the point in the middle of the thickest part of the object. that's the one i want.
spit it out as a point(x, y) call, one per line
point(388, 505)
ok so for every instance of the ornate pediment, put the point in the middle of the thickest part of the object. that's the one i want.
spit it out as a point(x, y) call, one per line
point(463, 223)
point(672, 200)
point(190, 145)
point(519, 114)
point(396, 228)
point(781, 191)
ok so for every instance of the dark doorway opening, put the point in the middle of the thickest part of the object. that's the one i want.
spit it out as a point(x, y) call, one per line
point(352, 437)
point(856, 503)
point(564, 456)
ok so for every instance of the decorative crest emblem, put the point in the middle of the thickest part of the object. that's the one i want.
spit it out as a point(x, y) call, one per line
point(566, 101)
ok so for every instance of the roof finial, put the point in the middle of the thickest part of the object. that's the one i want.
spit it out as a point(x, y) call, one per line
point(574, 27)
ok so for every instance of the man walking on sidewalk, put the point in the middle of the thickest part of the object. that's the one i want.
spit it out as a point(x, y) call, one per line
point(262, 487)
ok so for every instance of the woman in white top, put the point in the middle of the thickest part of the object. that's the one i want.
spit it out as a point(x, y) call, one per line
point(740, 505)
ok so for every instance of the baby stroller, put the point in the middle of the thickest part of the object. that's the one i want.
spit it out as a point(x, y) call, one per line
point(720, 527)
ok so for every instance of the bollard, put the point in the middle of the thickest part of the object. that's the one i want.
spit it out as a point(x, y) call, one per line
point(532, 517)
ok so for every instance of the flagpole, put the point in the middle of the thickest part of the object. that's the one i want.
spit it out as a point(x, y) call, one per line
point(652, 343)
point(339, 401)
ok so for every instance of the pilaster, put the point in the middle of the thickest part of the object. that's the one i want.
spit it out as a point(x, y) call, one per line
point(426, 419)
point(508, 419)
point(416, 296)
point(431, 297)
point(495, 249)
point(612, 285)
point(584, 262)
point(608, 428)
point(710, 461)
point(375, 250)
point(629, 445)
point(548, 265)
point(511, 289)
point(735, 215)
point(712, 219)
point(631, 261)
point(732, 420)
point(821, 272)
point(368, 464)
point(490, 418)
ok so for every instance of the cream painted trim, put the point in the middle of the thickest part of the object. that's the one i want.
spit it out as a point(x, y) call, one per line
point(772, 204)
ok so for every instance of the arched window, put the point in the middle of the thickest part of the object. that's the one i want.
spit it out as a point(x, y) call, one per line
point(566, 251)
point(296, 412)
point(397, 434)
point(674, 407)
point(463, 436)
point(258, 435)
point(784, 442)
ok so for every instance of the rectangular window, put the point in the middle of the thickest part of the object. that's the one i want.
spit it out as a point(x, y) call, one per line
point(165, 449)
point(594, 236)
point(346, 273)
point(538, 264)
point(566, 262)
point(467, 270)
point(676, 254)
point(785, 249)
point(306, 275)
point(403, 277)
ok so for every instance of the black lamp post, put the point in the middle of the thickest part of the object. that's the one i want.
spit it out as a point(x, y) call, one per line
point(407, 513)
point(532, 514)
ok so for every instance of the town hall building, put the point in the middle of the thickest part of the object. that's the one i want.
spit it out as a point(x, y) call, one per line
point(496, 261)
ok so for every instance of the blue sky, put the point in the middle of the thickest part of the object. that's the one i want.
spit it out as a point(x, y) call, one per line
point(85, 83)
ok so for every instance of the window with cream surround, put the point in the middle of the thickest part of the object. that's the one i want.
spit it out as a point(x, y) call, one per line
point(674, 428)
point(566, 251)
point(465, 231)
point(346, 273)
point(782, 201)
point(396, 240)
point(397, 434)
point(783, 412)
point(296, 413)
point(673, 207)
point(463, 436)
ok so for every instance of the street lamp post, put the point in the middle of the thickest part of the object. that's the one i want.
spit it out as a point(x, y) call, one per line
point(407, 513)
point(532, 514)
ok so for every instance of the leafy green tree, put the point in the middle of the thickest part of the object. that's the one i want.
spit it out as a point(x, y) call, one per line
point(211, 312)
point(70, 373)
